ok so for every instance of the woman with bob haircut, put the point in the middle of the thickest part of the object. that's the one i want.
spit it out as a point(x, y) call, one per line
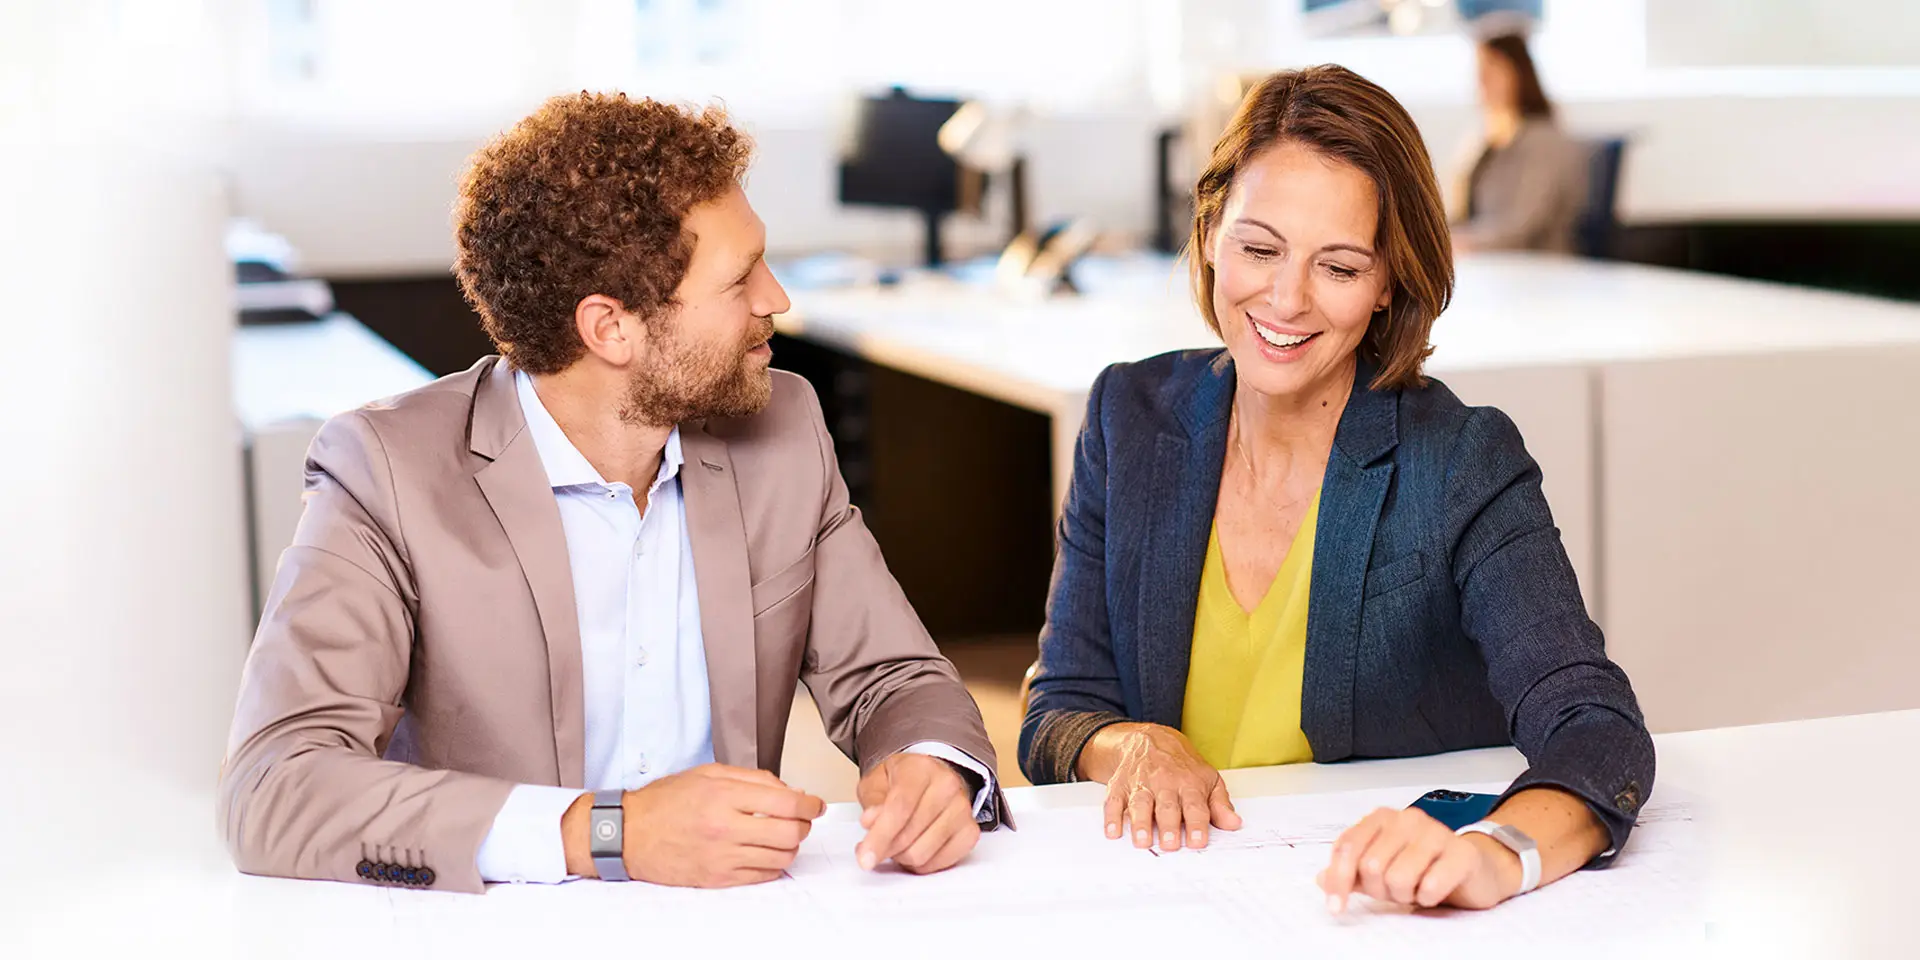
point(1298, 548)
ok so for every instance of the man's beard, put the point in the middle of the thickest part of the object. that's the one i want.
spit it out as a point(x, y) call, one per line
point(682, 381)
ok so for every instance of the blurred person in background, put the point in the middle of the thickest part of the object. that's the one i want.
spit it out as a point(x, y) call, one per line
point(1525, 184)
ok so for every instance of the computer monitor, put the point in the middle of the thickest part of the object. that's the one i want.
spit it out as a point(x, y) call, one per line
point(896, 161)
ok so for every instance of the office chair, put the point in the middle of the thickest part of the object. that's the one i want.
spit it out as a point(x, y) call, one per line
point(1593, 232)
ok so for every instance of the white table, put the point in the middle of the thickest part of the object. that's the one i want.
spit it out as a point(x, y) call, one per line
point(1729, 461)
point(1807, 827)
point(287, 380)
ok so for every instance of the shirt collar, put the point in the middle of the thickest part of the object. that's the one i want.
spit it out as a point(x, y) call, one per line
point(565, 465)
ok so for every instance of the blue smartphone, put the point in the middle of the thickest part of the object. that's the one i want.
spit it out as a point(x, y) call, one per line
point(1456, 809)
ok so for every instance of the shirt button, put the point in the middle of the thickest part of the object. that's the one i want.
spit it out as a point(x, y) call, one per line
point(640, 657)
point(641, 766)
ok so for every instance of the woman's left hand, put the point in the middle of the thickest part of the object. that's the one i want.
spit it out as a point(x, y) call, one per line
point(1407, 857)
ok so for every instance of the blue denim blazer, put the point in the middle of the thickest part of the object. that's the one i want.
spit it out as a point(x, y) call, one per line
point(1443, 615)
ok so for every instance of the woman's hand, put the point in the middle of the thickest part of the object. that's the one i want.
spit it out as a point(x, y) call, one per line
point(1408, 857)
point(1157, 782)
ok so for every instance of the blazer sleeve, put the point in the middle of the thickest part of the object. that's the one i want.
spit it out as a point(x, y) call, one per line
point(1569, 709)
point(873, 670)
point(303, 792)
point(1076, 690)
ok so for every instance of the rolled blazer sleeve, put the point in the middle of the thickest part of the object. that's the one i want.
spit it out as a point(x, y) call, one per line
point(304, 792)
point(879, 681)
point(1569, 708)
point(1076, 690)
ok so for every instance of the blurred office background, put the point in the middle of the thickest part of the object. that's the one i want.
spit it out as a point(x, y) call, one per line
point(222, 221)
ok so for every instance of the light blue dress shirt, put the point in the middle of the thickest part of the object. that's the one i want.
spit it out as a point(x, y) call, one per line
point(643, 655)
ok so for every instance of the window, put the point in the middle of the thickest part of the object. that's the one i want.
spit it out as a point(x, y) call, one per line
point(772, 60)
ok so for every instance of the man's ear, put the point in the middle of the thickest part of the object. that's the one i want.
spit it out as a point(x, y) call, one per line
point(607, 328)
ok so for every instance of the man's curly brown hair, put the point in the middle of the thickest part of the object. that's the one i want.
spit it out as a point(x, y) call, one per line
point(586, 195)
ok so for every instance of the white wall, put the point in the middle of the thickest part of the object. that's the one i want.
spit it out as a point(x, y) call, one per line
point(366, 190)
point(1744, 141)
point(1743, 33)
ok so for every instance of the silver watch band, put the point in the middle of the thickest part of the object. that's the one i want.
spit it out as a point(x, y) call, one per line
point(606, 835)
point(1513, 839)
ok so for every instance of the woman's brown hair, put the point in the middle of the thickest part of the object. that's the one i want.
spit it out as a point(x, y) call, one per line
point(1530, 99)
point(1347, 118)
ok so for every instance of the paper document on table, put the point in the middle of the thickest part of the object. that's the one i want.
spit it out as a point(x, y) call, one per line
point(1058, 880)
point(1256, 885)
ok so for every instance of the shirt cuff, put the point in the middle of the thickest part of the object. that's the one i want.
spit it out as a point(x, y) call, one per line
point(965, 761)
point(524, 844)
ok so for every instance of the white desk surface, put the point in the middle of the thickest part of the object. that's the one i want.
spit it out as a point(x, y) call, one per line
point(1509, 310)
point(1807, 825)
point(311, 371)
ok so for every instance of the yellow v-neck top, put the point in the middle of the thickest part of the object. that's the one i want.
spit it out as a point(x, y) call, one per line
point(1246, 669)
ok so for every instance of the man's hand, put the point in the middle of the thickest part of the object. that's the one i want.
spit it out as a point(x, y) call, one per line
point(712, 826)
point(918, 813)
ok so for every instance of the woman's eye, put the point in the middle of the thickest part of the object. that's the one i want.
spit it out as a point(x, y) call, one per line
point(1259, 253)
point(1343, 273)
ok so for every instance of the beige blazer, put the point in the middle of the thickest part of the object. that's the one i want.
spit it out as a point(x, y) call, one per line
point(419, 654)
point(1530, 194)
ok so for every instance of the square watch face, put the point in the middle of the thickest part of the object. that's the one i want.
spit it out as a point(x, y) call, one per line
point(605, 827)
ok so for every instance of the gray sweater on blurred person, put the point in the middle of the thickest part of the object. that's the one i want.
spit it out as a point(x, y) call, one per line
point(1528, 194)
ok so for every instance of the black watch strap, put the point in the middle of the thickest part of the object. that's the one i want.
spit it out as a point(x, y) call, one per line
point(606, 834)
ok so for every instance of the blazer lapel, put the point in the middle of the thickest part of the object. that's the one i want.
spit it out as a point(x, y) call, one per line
point(1352, 496)
point(516, 487)
point(718, 531)
point(1185, 486)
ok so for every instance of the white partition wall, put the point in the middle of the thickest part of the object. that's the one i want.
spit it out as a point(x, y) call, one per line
point(122, 570)
point(123, 551)
point(1762, 530)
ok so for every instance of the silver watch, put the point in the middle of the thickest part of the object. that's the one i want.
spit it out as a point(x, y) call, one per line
point(606, 834)
point(1513, 839)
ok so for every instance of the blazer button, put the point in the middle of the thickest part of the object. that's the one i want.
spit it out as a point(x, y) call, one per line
point(426, 876)
point(409, 877)
point(1628, 799)
point(364, 869)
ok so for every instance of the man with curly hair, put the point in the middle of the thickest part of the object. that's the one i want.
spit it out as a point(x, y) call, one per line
point(545, 618)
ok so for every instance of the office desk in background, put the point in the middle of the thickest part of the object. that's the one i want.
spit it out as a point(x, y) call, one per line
point(1730, 462)
point(1804, 825)
point(287, 380)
